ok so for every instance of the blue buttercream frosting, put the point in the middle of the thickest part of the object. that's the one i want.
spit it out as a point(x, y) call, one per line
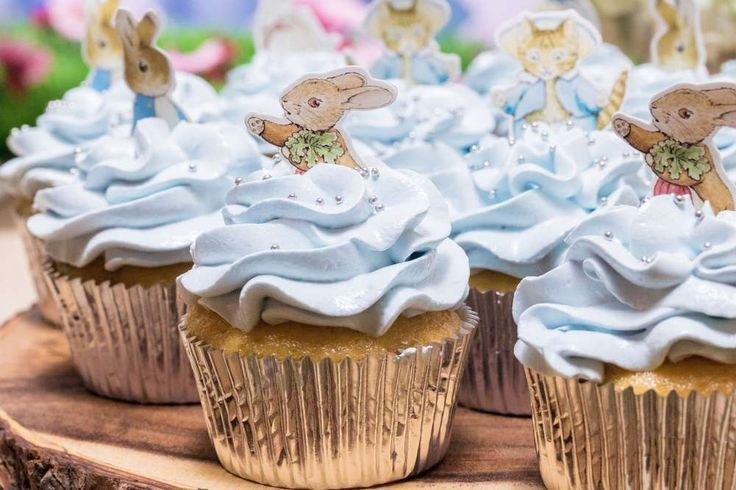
point(142, 200)
point(639, 286)
point(330, 248)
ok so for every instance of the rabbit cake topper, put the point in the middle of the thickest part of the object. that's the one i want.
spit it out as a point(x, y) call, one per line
point(101, 46)
point(549, 89)
point(678, 43)
point(281, 27)
point(148, 71)
point(314, 106)
point(407, 29)
point(678, 145)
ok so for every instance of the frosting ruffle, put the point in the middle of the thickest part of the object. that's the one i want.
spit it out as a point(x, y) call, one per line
point(330, 248)
point(639, 286)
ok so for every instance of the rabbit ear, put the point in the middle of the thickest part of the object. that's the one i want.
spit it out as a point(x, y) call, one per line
point(125, 25)
point(668, 13)
point(148, 29)
point(348, 80)
point(722, 96)
point(728, 118)
point(107, 10)
point(370, 97)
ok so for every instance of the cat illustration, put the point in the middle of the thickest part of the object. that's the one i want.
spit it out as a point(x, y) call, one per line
point(550, 89)
point(678, 146)
point(407, 29)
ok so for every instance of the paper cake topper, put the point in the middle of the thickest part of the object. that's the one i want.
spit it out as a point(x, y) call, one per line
point(407, 29)
point(549, 46)
point(678, 43)
point(678, 146)
point(148, 71)
point(281, 27)
point(314, 106)
point(101, 47)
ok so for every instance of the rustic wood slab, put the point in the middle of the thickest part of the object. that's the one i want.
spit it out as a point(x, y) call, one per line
point(54, 434)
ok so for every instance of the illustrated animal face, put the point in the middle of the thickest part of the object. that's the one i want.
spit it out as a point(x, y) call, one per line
point(318, 104)
point(549, 53)
point(678, 45)
point(147, 69)
point(687, 115)
point(406, 32)
point(102, 47)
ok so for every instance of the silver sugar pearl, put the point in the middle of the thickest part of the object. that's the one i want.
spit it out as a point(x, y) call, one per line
point(535, 127)
point(319, 201)
point(238, 180)
point(492, 193)
point(707, 246)
point(608, 235)
point(338, 199)
point(521, 158)
point(679, 199)
point(379, 207)
point(266, 176)
point(275, 246)
point(647, 260)
point(375, 172)
point(277, 157)
point(373, 199)
point(699, 214)
point(292, 195)
point(570, 123)
point(77, 150)
point(552, 148)
point(474, 149)
point(512, 141)
point(486, 164)
point(192, 167)
point(604, 200)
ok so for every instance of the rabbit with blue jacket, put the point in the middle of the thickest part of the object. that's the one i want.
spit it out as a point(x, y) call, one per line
point(148, 71)
point(101, 46)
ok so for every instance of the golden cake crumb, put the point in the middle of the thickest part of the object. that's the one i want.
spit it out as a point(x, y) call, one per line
point(494, 281)
point(694, 374)
point(128, 275)
point(298, 340)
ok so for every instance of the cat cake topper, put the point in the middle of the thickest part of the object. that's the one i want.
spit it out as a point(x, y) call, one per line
point(313, 107)
point(148, 71)
point(281, 27)
point(407, 29)
point(678, 43)
point(678, 145)
point(101, 46)
point(549, 89)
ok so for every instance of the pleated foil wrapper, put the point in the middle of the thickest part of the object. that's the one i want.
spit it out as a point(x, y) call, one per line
point(494, 381)
point(593, 436)
point(125, 341)
point(37, 258)
point(354, 423)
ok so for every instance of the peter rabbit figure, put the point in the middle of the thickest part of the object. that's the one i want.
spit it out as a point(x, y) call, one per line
point(679, 146)
point(549, 46)
point(148, 71)
point(101, 47)
point(678, 45)
point(407, 29)
point(314, 107)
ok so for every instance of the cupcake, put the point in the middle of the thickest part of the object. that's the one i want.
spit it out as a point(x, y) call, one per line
point(512, 202)
point(327, 295)
point(118, 237)
point(630, 350)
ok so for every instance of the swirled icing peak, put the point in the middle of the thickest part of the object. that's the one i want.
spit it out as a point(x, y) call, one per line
point(143, 200)
point(330, 248)
point(639, 286)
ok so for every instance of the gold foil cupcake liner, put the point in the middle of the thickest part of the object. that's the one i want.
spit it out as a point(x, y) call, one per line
point(354, 423)
point(37, 258)
point(593, 436)
point(125, 341)
point(494, 381)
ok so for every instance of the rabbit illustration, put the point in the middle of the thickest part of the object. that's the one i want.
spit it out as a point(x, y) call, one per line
point(678, 45)
point(678, 147)
point(101, 46)
point(280, 26)
point(407, 29)
point(314, 107)
point(148, 71)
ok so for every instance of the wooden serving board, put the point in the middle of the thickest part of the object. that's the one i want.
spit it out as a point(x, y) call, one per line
point(54, 434)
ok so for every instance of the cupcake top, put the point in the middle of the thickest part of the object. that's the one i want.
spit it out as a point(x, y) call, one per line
point(513, 202)
point(332, 247)
point(141, 201)
point(450, 113)
point(640, 286)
